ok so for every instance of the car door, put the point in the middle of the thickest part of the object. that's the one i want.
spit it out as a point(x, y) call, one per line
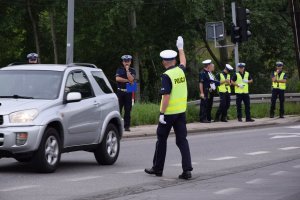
point(81, 119)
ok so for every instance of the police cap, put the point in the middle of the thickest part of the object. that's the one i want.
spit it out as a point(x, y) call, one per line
point(32, 56)
point(241, 64)
point(279, 64)
point(168, 54)
point(228, 67)
point(126, 57)
point(206, 62)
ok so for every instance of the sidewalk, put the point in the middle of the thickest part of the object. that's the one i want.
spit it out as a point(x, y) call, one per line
point(197, 127)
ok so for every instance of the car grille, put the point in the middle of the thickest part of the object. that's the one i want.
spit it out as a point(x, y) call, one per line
point(1, 139)
point(1, 119)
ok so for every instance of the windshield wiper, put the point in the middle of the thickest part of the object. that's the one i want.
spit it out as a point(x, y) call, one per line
point(15, 96)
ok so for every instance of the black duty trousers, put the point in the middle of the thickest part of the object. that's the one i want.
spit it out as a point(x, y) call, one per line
point(246, 99)
point(224, 105)
point(277, 92)
point(125, 100)
point(206, 106)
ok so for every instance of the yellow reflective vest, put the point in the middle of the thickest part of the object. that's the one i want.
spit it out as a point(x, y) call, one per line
point(224, 87)
point(239, 80)
point(178, 96)
point(277, 85)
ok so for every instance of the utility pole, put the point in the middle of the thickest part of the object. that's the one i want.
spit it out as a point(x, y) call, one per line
point(236, 46)
point(70, 32)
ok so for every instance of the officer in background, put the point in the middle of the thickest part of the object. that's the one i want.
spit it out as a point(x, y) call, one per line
point(241, 80)
point(278, 87)
point(224, 92)
point(172, 112)
point(125, 75)
point(207, 86)
point(33, 58)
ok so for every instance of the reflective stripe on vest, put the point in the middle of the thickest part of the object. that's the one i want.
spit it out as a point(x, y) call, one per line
point(178, 96)
point(224, 87)
point(277, 85)
point(239, 80)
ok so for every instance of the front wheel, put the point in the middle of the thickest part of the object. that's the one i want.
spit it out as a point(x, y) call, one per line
point(47, 157)
point(107, 151)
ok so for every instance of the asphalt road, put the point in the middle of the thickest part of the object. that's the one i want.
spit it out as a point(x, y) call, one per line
point(257, 163)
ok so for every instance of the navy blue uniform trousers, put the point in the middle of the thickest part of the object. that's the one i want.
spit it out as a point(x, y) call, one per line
point(206, 106)
point(125, 101)
point(178, 122)
point(277, 92)
point(246, 99)
point(224, 105)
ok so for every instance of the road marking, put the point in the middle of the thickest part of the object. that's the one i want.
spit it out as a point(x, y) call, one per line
point(297, 166)
point(294, 126)
point(289, 148)
point(132, 171)
point(18, 188)
point(285, 136)
point(179, 164)
point(223, 158)
point(256, 181)
point(279, 173)
point(84, 178)
point(257, 153)
point(228, 191)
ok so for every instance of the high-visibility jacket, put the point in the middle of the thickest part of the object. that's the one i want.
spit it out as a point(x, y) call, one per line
point(277, 85)
point(224, 87)
point(178, 95)
point(239, 80)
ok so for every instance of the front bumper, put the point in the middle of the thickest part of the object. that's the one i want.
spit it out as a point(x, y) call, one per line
point(8, 139)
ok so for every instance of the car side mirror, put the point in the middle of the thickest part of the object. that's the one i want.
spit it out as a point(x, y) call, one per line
point(73, 97)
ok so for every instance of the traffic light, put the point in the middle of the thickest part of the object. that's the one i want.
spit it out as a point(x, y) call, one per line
point(235, 34)
point(242, 21)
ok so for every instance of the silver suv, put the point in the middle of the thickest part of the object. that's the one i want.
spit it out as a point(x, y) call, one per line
point(46, 110)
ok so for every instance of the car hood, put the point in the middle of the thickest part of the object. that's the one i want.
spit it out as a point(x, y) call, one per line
point(8, 106)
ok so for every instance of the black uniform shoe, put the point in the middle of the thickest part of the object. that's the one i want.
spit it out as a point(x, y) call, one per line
point(281, 116)
point(271, 116)
point(185, 175)
point(240, 119)
point(153, 171)
point(204, 121)
point(250, 120)
point(127, 129)
point(224, 120)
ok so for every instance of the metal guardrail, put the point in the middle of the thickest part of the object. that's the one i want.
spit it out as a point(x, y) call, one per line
point(254, 98)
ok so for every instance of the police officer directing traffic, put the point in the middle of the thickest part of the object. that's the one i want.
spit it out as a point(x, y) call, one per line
point(125, 75)
point(224, 92)
point(172, 112)
point(33, 58)
point(278, 87)
point(241, 80)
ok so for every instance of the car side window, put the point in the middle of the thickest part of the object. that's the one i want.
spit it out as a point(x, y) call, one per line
point(102, 82)
point(77, 81)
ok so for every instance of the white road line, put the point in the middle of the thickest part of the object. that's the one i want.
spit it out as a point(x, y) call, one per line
point(288, 148)
point(256, 181)
point(228, 191)
point(285, 136)
point(257, 153)
point(279, 173)
point(131, 171)
point(223, 158)
point(84, 178)
point(18, 188)
point(179, 164)
point(296, 166)
point(294, 126)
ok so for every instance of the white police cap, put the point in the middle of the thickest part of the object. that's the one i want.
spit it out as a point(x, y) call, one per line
point(126, 57)
point(228, 67)
point(168, 54)
point(241, 64)
point(206, 62)
point(280, 64)
point(32, 56)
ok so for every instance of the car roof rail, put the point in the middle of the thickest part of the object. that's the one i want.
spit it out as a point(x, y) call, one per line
point(16, 63)
point(83, 64)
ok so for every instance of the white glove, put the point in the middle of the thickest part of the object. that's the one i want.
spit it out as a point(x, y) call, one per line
point(179, 42)
point(213, 86)
point(245, 81)
point(162, 119)
point(241, 86)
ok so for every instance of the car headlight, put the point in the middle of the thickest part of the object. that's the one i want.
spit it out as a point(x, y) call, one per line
point(23, 116)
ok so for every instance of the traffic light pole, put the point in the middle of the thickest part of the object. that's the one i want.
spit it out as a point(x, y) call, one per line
point(70, 32)
point(236, 46)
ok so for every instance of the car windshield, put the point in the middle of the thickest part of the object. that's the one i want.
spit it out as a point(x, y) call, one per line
point(30, 84)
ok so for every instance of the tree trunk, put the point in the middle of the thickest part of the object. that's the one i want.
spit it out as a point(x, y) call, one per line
point(294, 6)
point(53, 35)
point(223, 51)
point(34, 27)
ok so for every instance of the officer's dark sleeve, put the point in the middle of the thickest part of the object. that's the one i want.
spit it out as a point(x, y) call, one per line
point(234, 77)
point(119, 72)
point(166, 85)
point(272, 75)
point(132, 71)
point(218, 77)
point(285, 76)
point(181, 66)
point(201, 77)
point(250, 77)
